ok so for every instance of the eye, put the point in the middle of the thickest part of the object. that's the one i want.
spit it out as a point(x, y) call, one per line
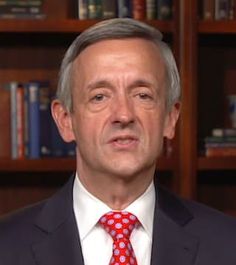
point(144, 96)
point(98, 98)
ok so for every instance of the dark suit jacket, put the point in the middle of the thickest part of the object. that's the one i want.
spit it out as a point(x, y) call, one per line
point(185, 233)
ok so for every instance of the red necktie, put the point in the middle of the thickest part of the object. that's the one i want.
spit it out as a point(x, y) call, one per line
point(120, 226)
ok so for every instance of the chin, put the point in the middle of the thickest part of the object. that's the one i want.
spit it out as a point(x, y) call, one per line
point(128, 169)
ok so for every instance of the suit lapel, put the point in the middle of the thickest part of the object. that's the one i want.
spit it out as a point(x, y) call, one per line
point(60, 243)
point(171, 243)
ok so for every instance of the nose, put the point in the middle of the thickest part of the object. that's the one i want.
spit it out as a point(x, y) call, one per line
point(123, 111)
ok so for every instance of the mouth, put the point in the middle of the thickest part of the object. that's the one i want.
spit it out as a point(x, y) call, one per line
point(124, 142)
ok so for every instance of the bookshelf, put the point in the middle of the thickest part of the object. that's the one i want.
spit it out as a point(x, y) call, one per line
point(204, 50)
point(207, 61)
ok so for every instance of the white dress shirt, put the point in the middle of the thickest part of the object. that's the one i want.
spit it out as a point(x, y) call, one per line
point(96, 243)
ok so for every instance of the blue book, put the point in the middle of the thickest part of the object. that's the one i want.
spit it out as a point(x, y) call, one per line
point(44, 119)
point(164, 9)
point(124, 8)
point(39, 119)
point(57, 143)
point(33, 120)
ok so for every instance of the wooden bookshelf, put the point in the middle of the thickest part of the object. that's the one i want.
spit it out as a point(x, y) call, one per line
point(217, 27)
point(216, 163)
point(64, 25)
point(61, 165)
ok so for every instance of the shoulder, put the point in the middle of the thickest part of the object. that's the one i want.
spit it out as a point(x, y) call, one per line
point(199, 219)
point(211, 221)
point(214, 232)
point(20, 223)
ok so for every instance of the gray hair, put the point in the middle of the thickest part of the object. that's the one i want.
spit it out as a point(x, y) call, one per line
point(118, 28)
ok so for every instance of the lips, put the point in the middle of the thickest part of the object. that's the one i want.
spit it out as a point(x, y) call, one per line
point(124, 141)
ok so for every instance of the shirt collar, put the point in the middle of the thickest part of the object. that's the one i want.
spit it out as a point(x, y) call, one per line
point(88, 209)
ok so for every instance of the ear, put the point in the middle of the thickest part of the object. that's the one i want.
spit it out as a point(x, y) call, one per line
point(62, 118)
point(171, 120)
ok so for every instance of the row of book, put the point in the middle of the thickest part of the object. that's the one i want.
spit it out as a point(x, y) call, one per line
point(137, 9)
point(222, 142)
point(32, 129)
point(218, 9)
point(21, 9)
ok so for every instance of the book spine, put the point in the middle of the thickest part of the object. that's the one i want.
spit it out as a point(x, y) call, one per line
point(220, 151)
point(151, 9)
point(26, 121)
point(33, 122)
point(44, 119)
point(221, 9)
point(109, 9)
point(208, 12)
point(94, 9)
point(223, 132)
point(5, 131)
point(20, 121)
point(20, 10)
point(13, 100)
point(232, 9)
point(139, 9)
point(21, 2)
point(22, 16)
point(83, 9)
point(124, 8)
point(211, 139)
point(164, 9)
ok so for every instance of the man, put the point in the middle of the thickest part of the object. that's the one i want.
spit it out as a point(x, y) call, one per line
point(118, 97)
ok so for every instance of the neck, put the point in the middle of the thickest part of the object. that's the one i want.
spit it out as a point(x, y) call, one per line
point(117, 191)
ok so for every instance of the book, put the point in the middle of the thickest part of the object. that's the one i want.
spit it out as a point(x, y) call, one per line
point(22, 16)
point(21, 2)
point(44, 118)
point(151, 8)
point(124, 8)
point(208, 12)
point(20, 10)
point(164, 9)
point(232, 9)
point(220, 151)
point(5, 132)
point(139, 9)
point(94, 9)
point(82, 9)
point(20, 121)
point(13, 101)
point(39, 119)
point(220, 141)
point(33, 120)
point(224, 132)
point(221, 9)
point(108, 9)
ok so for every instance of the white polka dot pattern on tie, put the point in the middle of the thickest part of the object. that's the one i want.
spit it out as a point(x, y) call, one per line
point(120, 226)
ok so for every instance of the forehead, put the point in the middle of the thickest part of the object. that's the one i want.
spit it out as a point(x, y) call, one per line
point(119, 59)
point(132, 46)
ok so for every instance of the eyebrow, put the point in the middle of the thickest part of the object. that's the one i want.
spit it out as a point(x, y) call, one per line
point(141, 82)
point(99, 84)
point(105, 83)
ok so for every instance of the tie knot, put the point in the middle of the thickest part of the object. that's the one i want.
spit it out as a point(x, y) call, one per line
point(119, 224)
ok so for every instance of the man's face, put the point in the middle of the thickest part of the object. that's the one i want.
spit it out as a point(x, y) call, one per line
point(119, 113)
